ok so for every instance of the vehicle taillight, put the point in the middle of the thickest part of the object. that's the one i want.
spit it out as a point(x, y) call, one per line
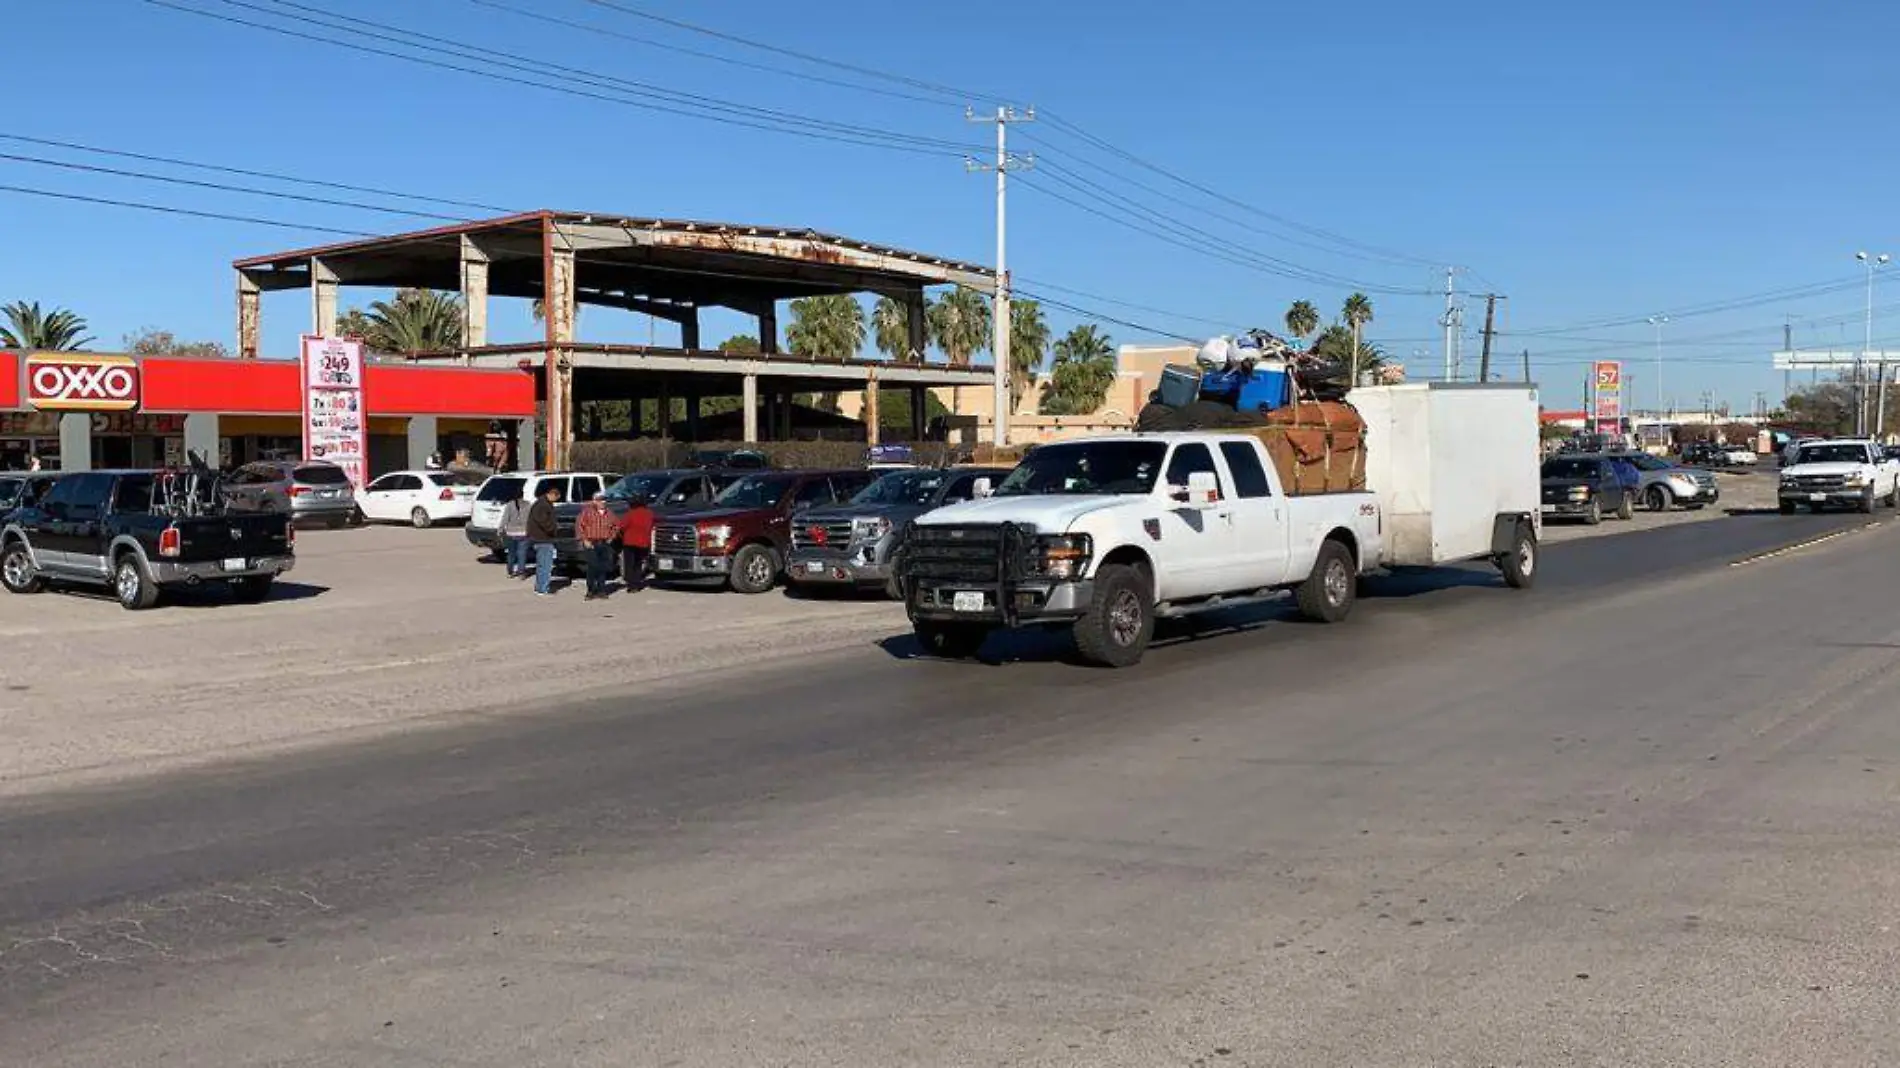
point(169, 542)
point(447, 495)
point(298, 491)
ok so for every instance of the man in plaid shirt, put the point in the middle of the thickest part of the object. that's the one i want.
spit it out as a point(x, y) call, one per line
point(596, 529)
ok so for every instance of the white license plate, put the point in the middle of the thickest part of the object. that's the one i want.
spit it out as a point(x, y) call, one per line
point(663, 564)
point(1817, 496)
point(967, 601)
point(234, 563)
point(814, 567)
point(327, 494)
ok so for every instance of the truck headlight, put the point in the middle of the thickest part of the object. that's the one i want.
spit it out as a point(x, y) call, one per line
point(870, 529)
point(1856, 481)
point(714, 537)
point(1062, 556)
point(1579, 493)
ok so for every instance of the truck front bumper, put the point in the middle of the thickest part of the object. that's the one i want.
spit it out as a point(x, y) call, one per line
point(1845, 498)
point(836, 569)
point(1034, 602)
point(178, 573)
point(1567, 509)
point(686, 567)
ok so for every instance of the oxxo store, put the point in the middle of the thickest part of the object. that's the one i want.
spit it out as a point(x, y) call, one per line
point(85, 411)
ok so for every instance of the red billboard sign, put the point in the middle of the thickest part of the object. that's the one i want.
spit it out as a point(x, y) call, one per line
point(1609, 390)
point(56, 382)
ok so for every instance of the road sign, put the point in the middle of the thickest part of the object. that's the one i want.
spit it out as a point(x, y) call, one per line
point(1832, 359)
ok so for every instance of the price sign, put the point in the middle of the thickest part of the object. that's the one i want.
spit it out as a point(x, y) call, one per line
point(332, 363)
point(335, 427)
point(1609, 376)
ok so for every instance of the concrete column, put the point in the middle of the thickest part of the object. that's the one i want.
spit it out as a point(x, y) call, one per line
point(663, 418)
point(784, 431)
point(522, 457)
point(75, 441)
point(250, 310)
point(768, 329)
point(322, 298)
point(869, 411)
point(689, 329)
point(201, 437)
point(474, 294)
point(749, 404)
point(692, 416)
point(918, 324)
point(559, 309)
point(422, 439)
point(919, 412)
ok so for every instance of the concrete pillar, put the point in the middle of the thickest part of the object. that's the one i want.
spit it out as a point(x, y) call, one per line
point(422, 440)
point(749, 404)
point(692, 416)
point(918, 324)
point(558, 307)
point(768, 329)
point(785, 407)
point(322, 298)
point(75, 441)
point(250, 311)
point(689, 329)
point(919, 412)
point(663, 420)
point(521, 454)
point(201, 437)
point(869, 411)
point(474, 294)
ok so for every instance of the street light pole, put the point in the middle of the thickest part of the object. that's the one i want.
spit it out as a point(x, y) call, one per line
point(1866, 350)
point(1657, 321)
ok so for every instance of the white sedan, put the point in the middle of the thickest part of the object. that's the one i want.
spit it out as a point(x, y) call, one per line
point(1739, 456)
point(420, 498)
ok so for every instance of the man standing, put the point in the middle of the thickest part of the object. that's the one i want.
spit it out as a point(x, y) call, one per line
point(636, 543)
point(596, 529)
point(542, 530)
point(514, 535)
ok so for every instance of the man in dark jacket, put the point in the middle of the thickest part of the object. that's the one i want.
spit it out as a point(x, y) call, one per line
point(542, 530)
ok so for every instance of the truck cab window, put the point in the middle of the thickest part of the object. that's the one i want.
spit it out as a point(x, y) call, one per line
point(133, 495)
point(1189, 459)
point(1250, 478)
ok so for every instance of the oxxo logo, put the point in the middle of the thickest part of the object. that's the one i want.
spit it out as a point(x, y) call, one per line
point(82, 383)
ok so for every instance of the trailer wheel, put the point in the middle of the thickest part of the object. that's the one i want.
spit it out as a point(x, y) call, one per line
point(1120, 620)
point(1520, 564)
point(1327, 594)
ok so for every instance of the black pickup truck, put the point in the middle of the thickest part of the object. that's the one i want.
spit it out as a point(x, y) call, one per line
point(139, 533)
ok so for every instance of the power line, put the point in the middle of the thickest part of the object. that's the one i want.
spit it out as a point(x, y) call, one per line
point(1810, 289)
point(166, 209)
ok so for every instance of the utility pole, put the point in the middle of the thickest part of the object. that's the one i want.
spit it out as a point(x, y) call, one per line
point(1490, 316)
point(1527, 366)
point(1450, 319)
point(999, 311)
point(1787, 345)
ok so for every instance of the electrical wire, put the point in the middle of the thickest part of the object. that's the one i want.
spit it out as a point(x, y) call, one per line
point(167, 209)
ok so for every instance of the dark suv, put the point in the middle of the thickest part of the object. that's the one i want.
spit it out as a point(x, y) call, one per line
point(745, 536)
point(1586, 487)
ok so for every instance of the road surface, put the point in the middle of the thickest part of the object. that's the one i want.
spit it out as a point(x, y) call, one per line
point(1641, 815)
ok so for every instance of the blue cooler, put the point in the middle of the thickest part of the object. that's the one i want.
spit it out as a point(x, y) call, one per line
point(1265, 390)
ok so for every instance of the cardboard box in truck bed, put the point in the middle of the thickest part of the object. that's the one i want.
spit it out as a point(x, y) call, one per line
point(1446, 461)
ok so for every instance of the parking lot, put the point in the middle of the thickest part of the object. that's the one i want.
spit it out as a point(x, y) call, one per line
point(387, 628)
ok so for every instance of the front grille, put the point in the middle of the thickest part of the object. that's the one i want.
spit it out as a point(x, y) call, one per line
point(1556, 494)
point(1818, 483)
point(837, 534)
point(966, 552)
point(676, 540)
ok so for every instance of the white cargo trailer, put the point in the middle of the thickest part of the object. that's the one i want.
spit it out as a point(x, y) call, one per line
point(1455, 467)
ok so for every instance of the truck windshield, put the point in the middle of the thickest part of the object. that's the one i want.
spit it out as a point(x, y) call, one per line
point(1570, 469)
point(902, 487)
point(755, 491)
point(1111, 467)
point(1831, 454)
point(648, 487)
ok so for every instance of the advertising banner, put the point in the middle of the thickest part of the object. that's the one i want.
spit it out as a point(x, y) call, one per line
point(56, 382)
point(335, 429)
point(1609, 390)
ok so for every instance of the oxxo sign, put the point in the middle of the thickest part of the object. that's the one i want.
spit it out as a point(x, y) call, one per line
point(59, 383)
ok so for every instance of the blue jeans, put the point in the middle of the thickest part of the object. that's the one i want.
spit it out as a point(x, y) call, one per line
point(517, 554)
point(543, 566)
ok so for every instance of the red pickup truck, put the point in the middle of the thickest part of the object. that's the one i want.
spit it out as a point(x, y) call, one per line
point(744, 537)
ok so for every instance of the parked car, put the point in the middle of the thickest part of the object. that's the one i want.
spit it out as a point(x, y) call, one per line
point(854, 544)
point(732, 459)
point(1739, 455)
point(1661, 485)
point(23, 488)
point(310, 492)
point(484, 521)
point(744, 538)
point(126, 531)
point(1704, 453)
point(682, 490)
point(420, 498)
point(1849, 472)
point(1586, 488)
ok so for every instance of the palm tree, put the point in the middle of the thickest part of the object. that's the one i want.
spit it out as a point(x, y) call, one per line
point(1028, 340)
point(354, 323)
point(1336, 344)
point(1084, 370)
point(1302, 319)
point(28, 327)
point(1357, 312)
point(826, 328)
point(744, 344)
point(960, 324)
point(417, 320)
point(890, 330)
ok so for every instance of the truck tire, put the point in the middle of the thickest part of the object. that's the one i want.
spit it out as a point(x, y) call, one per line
point(135, 589)
point(754, 570)
point(1893, 495)
point(1595, 515)
point(16, 569)
point(1120, 620)
point(1658, 498)
point(252, 589)
point(1785, 507)
point(1520, 564)
point(1327, 594)
point(1626, 509)
point(1866, 505)
point(952, 641)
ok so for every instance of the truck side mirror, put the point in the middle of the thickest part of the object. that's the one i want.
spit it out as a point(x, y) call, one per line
point(981, 488)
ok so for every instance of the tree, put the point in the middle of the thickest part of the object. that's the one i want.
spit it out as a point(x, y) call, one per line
point(151, 342)
point(890, 330)
point(1336, 344)
point(1302, 319)
point(960, 324)
point(1028, 340)
point(826, 328)
point(417, 320)
point(1357, 312)
point(1824, 408)
point(58, 330)
point(1084, 370)
point(354, 323)
point(741, 345)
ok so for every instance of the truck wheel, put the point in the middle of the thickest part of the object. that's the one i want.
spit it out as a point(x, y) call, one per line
point(1120, 620)
point(1658, 499)
point(1866, 505)
point(1893, 495)
point(1626, 508)
point(1595, 515)
point(136, 592)
point(251, 589)
point(952, 641)
point(419, 518)
point(1327, 594)
point(1785, 507)
point(754, 570)
point(1520, 564)
point(16, 570)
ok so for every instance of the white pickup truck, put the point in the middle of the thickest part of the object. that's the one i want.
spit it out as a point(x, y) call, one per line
point(1843, 472)
point(1108, 534)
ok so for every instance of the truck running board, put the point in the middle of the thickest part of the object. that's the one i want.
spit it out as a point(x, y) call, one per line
point(1177, 609)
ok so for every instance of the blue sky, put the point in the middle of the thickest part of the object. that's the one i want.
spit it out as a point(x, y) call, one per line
point(1596, 163)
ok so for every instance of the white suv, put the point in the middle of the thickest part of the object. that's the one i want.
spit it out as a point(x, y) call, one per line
point(484, 523)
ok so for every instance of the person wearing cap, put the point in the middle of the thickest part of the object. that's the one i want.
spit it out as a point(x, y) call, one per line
point(597, 528)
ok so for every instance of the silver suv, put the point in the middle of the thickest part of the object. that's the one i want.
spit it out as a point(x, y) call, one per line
point(310, 491)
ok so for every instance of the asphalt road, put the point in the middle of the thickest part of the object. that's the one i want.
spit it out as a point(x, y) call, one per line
point(1640, 815)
